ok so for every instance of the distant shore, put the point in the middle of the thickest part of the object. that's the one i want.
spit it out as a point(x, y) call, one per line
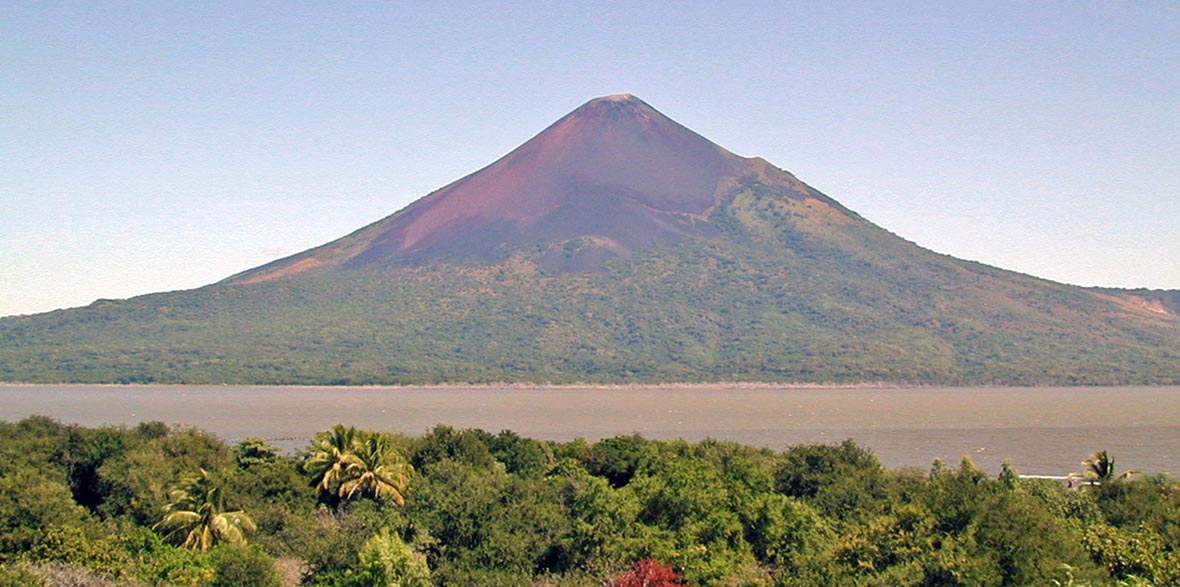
point(683, 386)
point(741, 385)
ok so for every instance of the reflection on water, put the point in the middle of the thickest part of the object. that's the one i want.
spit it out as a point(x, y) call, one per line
point(1042, 430)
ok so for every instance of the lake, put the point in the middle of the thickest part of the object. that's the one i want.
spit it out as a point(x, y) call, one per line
point(1043, 430)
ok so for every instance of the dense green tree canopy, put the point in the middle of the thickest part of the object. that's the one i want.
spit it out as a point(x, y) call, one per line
point(499, 509)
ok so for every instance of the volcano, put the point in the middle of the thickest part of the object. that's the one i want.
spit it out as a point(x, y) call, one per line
point(616, 246)
point(612, 177)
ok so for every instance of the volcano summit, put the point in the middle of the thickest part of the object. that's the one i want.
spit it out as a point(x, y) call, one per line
point(612, 177)
point(614, 246)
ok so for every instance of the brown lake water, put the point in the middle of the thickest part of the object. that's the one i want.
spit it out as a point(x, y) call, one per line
point(1043, 430)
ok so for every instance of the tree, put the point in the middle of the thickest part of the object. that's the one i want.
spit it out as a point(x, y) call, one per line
point(136, 483)
point(375, 470)
point(31, 504)
point(1009, 477)
point(196, 517)
point(329, 459)
point(616, 458)
point(345, 463)
point(254, 451)
point(1099, 468)
point(648, 573)
point(844, 481)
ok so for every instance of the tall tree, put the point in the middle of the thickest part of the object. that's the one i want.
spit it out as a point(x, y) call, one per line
point(345, 463)
point(375, 470)
point(196, 518)
point(329, 457)
point(1099, 468)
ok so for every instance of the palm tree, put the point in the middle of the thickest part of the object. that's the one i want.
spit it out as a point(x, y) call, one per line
point(330, 457)
point(1099, 468)
point(196, 516)
point(376, 470)
point(346, 463)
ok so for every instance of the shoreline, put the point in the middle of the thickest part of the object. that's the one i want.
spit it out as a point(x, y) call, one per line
point(675, 386)
point(1042, 430)
point(672, 386)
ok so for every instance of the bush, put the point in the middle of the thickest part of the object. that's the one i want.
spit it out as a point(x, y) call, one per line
point(386, 561)
point(19, 577)
point(70, 545)
point(648, 573)
point(30, 504)
point(243, 566)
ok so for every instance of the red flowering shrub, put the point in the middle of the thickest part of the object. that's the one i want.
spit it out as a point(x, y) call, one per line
point(649, 573)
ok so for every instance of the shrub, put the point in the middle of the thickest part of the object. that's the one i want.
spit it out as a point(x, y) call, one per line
point(19, 577)
point(648, 573)
point(243, 566)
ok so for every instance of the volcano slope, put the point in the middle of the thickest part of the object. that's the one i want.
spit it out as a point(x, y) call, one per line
point(617, 246)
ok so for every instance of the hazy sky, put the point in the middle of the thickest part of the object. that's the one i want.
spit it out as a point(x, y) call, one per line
point(166, 145)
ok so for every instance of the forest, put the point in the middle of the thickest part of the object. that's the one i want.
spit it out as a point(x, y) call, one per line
point(166, 505)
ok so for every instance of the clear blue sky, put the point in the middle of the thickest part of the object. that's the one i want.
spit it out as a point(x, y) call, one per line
point(165, 145)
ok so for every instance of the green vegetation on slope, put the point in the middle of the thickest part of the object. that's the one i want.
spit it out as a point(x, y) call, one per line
point(784, 295)
point(82, 506)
